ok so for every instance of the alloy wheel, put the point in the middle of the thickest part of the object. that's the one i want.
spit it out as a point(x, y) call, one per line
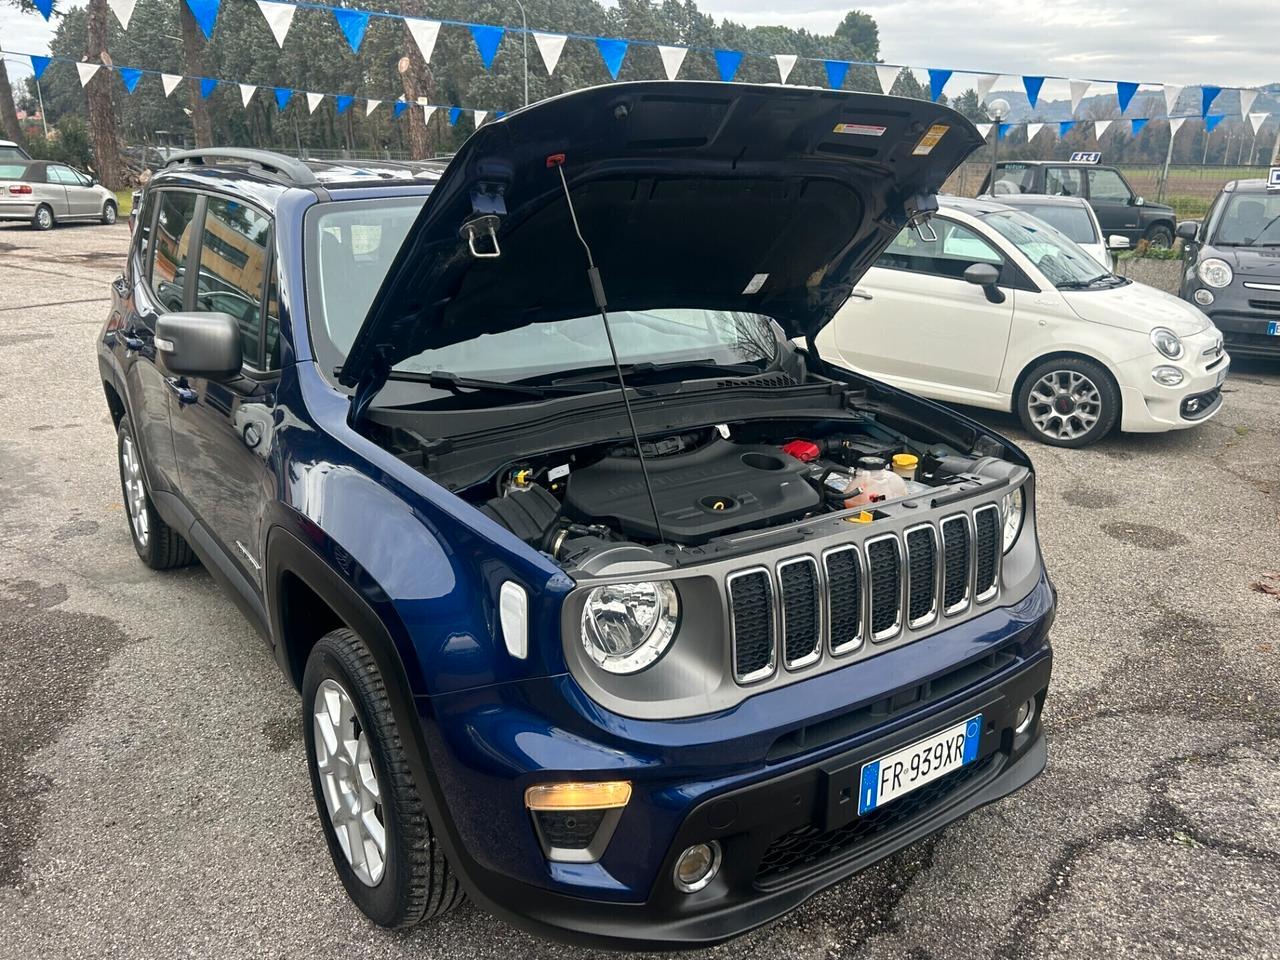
point(109, 214)
point(349, 782)
point(135, 491)
point(1064, 404)
point(44, 218)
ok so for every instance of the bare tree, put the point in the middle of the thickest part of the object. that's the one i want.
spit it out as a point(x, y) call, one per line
point(193, 59)
point(103, 129)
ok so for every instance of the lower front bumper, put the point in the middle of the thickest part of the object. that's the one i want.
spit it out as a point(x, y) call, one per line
point(1153, 408)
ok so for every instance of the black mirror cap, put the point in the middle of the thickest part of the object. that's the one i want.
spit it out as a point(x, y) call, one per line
point(1188, 230)
point(199, 344)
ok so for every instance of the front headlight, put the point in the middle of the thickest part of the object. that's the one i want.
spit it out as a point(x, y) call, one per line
point(1215, 272)
point(1167, 342)
point(628, 626)
point(1011, 509)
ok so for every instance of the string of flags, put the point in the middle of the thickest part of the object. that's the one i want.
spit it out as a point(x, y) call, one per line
point(130, 77)
point(353, 24)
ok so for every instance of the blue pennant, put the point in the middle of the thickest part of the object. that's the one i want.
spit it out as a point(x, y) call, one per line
point(1211, 121)
point(487, 40)
point(282, 97)
point(1032, 85)
point(937, 80)
point(454, 114)
point(837, 70)
point(1138, 123)
point(344, 102)
point(130, 76)
point(499, 114)
point(45, 7)
point(400, 107)
point(40, 65)
point(206, 87)
point(206, 14)
point(1207, 96)
point(727, 61)
point(612, 52)
point(1002, 131)
point(1065, 127)
point(1124, 94)
point(352, 23)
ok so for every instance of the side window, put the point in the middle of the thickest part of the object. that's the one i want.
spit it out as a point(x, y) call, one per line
point(1013, 178)
point(171, 239)
point(61, 175)
point(953, 250)
point(233, 268)
point(1106, 185)
point(142, 231)
point(271, 347)
point(1063, 182)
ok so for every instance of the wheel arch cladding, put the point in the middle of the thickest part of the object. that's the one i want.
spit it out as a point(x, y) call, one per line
point(114, 403)
point(1064, 355)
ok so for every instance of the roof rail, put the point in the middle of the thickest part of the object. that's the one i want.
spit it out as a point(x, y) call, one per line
point(277, 165)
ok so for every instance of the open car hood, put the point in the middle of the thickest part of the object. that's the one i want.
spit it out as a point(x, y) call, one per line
point(767, 199)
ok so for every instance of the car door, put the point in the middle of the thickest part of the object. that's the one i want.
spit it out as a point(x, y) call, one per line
point(1112, 201)
point(223, 430)
point(917, 323)
point(82, 198)
point(54, 191)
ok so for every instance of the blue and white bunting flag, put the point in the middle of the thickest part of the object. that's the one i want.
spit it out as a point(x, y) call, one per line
point(937, 82)
point(1246, 101)
point(353, 24)
point(1124, 94)
point(1078, 90)
point(130, 76)
point(886, 76)
point(672, 59)
point(1100, 127)
point(87, 72)
point(727, 62)
point(550, 46)
point(786, 63)
point(1032, 85)
point(612, 53)
point(486, 39)
point(1171, 93)
point(424, 33)
point(314, 100)
point(206, 14)
point(370, 106)
point(247, 90)
point(1207, 96)
point(837, 70)
point(123, 9)
point(170, 81)
point(283, 96)
point(279, 17)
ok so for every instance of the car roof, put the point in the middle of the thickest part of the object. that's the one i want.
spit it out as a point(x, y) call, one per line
point(1049, 163)
point(1039, 200)
point(974, 206)
point(1257, 185)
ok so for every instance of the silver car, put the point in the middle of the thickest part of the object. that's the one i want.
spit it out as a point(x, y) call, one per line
point(45, 193)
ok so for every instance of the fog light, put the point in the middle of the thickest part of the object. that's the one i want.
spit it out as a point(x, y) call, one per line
point(1026, 714)
point(697, 866)
point(1167, 376)
point(1204, 297)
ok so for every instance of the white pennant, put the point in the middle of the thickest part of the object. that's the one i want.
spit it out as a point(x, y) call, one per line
point(550, 45)
point(984, 129)
point(1256, 120)
point(886, 76)
point(786, 63)
point(123, 9)
point(672, 59)
point(279, 17)
point(313, 101)
point(86, 71)
point(427, 111)
point(1172, 92)
point(1175, 125)
point(1100, 127)
point(1032, 130)
point(480, 115)
point(424, 33)
point(247, 90)
point(170, 82)
point(982, 83)
point(1246, 101)
point(1078, 89)
point(370, 106)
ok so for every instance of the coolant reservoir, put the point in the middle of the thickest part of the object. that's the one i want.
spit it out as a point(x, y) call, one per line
point(905, 464)
point(875, 482)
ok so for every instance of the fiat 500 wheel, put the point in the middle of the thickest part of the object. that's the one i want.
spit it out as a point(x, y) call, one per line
point(1069, 402)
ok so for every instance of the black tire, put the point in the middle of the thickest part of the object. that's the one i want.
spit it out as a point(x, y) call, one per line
point(1160, 236)
point(43, 218)
point(161, 547)
point(416, 882)
point(109, 213)
point(1064, 371)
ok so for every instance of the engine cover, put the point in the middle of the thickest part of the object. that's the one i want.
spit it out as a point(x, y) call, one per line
point(718, 487)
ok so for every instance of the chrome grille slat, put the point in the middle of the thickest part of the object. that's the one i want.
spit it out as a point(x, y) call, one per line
point(801, 612)
point(956, 561)
point(751, 624)
point(845, 577)
point(884, 581)
point(922, 575)
point(986, 552)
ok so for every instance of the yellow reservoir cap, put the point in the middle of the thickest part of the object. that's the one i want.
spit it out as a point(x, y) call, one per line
point(602, 795)
point(906, 460)
point(862, 516)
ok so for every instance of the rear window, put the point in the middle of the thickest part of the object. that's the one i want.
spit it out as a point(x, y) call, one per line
point(1073, 221)
point(1013, 178)
point(10, 152)
point(13, 171)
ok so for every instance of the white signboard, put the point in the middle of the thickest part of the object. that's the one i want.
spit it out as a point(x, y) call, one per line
point(1086, 156)
point(1273, 179)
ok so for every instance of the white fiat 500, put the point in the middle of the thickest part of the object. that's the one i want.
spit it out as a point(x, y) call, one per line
point(987, 305)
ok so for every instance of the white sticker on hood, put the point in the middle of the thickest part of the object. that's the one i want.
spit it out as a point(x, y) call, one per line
point(756, 283)
point(859, 129)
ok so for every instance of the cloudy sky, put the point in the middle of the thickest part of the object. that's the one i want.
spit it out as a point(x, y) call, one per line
point(1227, 42)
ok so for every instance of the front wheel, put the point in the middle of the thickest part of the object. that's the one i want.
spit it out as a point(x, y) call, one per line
point(375, 823)
point(109, 213)
point(1159, 237)
point(158, 544)
point(1068, 402)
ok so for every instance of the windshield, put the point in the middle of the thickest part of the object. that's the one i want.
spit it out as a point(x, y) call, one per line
point(1063, 263)
point(1071, 221)
point(351, 246)
point(1248, 220)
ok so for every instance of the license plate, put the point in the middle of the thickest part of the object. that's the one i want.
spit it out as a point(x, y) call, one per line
point(898, 773)
point(1222, 377)
point(1273, 329)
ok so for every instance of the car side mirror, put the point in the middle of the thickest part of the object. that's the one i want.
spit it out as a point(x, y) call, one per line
point(985, 276)
point(1139, 201)
point(1118, 242)
point(1189, 230)
point(199, 344)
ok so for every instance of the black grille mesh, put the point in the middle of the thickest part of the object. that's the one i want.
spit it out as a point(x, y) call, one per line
point(885, 569)
point(987, 528)
point(955, 569)
point(922, 569)
point(844, 598)
point(752, 607)
point(800, 606)
point(569, 829)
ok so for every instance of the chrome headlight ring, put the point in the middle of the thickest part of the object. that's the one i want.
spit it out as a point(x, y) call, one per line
point(627, 627)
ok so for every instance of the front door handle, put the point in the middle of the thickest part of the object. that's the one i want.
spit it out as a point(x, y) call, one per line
point(860, 294)
point(180, 389)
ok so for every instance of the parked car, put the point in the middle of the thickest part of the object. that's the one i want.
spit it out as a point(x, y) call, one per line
point(1233, 266)
point(616, 661)
point(11, 151)
point(992, 307)
point(46, 193)
point(1120, 209)
point(1074, 219)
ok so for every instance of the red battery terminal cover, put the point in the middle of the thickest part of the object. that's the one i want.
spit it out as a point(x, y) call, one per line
point(803, 450)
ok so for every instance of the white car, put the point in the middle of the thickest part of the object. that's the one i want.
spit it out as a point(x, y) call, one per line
point(1073, 217)
point(989, 306)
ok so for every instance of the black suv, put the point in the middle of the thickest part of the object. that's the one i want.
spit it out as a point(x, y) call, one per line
point(1118, 206)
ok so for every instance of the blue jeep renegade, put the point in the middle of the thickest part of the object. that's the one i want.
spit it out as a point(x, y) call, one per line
point(603, 605)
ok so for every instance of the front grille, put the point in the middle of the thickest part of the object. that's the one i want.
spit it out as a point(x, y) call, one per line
point(922, 575)
point(955, 564)
point(844, 598)
point(884, 563)
point(801, 612)
point(1265, 304)
point(795, 855)
point(986, 523)
point(751, 623)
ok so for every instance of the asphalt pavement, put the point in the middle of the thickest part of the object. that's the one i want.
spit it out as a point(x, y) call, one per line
point(154, 799)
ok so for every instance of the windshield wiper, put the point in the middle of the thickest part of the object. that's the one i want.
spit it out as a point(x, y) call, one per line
point(646, 368)
point(443, 380)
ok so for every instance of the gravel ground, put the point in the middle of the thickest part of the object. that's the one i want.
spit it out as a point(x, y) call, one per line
point(155, 802)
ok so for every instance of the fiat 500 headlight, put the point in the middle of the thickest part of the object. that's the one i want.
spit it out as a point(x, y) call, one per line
point(1215, 272)
point(1167, 342)
point(1011, 510)
point(628, 626)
